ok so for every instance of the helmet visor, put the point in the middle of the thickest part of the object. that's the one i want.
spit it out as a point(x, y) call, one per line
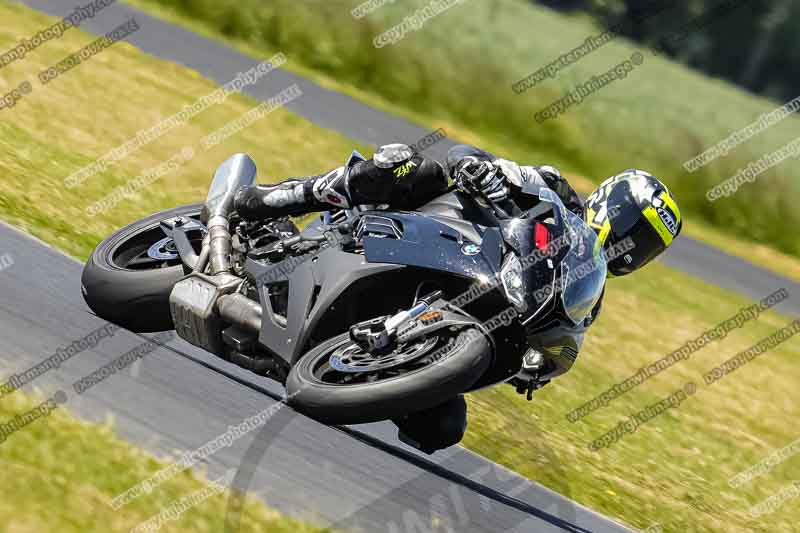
point(647, 245)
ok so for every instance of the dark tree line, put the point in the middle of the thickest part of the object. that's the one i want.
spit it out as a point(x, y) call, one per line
point(753, 43)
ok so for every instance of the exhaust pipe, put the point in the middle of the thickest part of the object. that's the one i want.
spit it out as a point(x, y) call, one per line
point(240, 310)
point(193, 299)
point(237, 172)
point(219, 244)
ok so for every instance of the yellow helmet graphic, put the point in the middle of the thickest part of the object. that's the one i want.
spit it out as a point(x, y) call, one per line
point(633, 205)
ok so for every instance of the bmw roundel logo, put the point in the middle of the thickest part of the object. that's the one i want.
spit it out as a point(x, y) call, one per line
point(470, 249)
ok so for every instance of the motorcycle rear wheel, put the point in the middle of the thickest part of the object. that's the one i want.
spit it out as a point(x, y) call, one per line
point(449, 368)
point(123, 284)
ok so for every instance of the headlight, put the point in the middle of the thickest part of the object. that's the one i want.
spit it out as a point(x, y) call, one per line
point(514, 285)
point(532, 360)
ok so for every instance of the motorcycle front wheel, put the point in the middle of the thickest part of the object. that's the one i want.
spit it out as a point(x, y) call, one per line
point(338, 383)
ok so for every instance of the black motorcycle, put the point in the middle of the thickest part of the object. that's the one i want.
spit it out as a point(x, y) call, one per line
point(367, 314)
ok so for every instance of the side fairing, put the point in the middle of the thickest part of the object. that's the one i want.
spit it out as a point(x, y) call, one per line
point(313, 284)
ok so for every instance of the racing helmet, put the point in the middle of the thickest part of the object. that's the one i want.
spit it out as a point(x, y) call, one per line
point(636, 218)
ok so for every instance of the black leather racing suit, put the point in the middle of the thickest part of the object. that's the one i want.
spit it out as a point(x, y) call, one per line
point(395, 176)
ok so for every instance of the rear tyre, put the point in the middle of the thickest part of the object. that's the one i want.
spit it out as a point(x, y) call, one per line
point(448, 367)
point(124, 284)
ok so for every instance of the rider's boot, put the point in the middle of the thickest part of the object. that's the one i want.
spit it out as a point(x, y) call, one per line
point(436, 428)
point(295, 196)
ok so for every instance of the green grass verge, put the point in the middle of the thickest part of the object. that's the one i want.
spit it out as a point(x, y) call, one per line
point(60, 474)
point(105, 102)
point(458, 70)
point(687, 454)
point(646, 478)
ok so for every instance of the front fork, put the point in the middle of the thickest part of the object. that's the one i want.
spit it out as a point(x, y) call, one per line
point(379, 335)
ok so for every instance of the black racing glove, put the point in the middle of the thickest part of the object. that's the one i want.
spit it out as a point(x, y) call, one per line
point(484, 175)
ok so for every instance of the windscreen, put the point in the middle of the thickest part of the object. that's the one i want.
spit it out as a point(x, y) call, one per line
point(583, 269)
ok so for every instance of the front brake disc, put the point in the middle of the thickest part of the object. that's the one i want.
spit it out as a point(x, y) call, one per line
point(351, 358)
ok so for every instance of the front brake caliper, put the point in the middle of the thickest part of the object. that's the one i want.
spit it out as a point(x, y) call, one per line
point(372, 336)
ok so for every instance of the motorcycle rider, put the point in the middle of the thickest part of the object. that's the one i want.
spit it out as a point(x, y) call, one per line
point(632, 205)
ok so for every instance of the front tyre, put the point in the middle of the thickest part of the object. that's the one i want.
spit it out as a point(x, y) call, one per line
point(337, 383)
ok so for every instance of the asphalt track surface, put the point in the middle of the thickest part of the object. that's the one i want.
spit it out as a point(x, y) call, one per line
point(178, 398)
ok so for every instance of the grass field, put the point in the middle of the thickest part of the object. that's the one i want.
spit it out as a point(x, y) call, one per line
point(661, 115)
point(83, 114)
point(60, 475)
point(646, 478)
point(688, 453)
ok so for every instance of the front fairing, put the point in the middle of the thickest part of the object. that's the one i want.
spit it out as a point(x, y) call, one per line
point(572, 267)
point(534, 273)
point(518, 234)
